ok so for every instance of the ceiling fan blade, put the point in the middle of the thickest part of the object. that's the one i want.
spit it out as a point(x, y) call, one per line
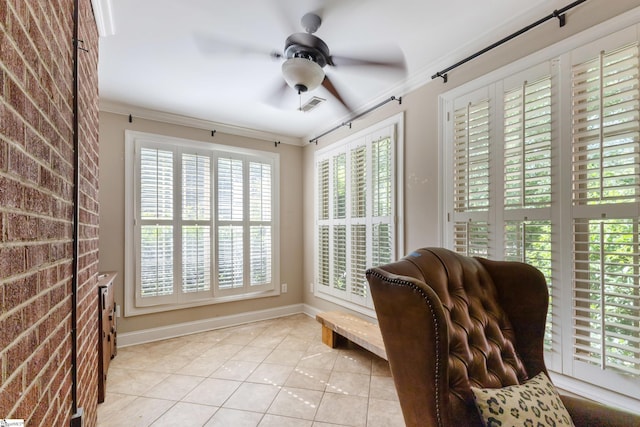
point(276, 97)
point(328, 85)
point(396, 64)
point(288, 22)
point(211, 45)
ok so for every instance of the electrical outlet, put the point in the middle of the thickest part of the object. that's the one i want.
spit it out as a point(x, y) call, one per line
point(283, 288)
point(117, 310)
point(311, 287)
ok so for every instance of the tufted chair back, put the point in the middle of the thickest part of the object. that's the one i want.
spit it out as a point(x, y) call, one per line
point(449, 322)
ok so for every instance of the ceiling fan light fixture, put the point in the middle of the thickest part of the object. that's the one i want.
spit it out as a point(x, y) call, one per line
point(302, 74)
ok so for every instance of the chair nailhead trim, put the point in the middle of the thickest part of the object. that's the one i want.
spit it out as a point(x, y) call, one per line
point(414, 288)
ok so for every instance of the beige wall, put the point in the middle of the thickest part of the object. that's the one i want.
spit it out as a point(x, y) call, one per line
point(112, 128)
point(421, 172)
point(421, 152)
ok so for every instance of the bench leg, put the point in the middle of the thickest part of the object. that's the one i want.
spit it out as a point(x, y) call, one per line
point(329, 337)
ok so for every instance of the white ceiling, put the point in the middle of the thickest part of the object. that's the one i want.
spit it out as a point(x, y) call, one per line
point(183, 57)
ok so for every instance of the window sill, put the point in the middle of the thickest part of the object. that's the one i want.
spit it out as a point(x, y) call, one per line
point(593, 392)
point(131, 310)
point(346, 304)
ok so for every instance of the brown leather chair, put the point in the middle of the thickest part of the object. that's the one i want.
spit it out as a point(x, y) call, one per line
point(450, 322)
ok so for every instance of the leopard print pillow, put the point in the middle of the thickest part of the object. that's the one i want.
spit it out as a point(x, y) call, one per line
point(532, 404)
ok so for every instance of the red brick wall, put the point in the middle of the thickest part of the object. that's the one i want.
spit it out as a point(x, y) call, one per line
point(36, 212)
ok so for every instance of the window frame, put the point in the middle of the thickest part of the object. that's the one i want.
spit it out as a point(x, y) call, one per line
point(365, 137)
point(182, 300)
point(566, 371)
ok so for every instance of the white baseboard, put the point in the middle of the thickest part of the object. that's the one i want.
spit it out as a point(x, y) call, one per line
point(172, 331)
point(310, 310)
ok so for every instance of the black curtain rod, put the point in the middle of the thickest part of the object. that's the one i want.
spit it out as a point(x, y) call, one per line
point(560, 14)
point(375, 107)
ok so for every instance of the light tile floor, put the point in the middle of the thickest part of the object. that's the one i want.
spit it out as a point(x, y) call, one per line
point(271, 373)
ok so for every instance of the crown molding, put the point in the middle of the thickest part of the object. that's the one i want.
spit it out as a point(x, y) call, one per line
point(103, 15)
point(176, 119)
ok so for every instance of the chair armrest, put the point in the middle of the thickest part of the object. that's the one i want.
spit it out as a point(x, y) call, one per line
point(416, 344)
point(585, 413)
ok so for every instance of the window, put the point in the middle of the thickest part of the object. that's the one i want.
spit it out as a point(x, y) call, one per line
point(357, 201)
point(202, 223)
point(544, 168)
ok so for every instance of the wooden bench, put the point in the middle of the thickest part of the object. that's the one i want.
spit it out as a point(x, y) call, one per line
point(355, 329)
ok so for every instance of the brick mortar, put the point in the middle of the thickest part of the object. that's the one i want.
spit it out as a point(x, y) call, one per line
point(27, 303)
point(18, 146)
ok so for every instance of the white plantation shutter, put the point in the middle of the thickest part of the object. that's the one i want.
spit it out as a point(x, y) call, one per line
point(230, 242)
point(358, 235)
point(605, 128)
point(260, 190)
point(203, 224)
point(230, 257)
point(196, 187)
point(323, 264)
point(527, 135)
point(196, 223)
point(339, 259)
point(471, 238)
point(196, 258)
point(527, 151)
point(261, 248)
point(471, 141)
point(355, 213)
point(471, 157)
point(260, 183)
point(323, 190)
point(156, 234)
point(607, 294)
point(606, 177)
point(340, 186)
point(156, 184)
point(323, 273)
point(230, 189)
point(358, 260)
point(382, 243)
point(382, 175)
point(359, 182)
point(530, 242)
point(156, 263)
point(339, 240)
point(383, 202)
point(245, 238)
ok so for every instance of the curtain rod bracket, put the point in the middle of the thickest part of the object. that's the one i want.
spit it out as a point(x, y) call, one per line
point(130, 118)
point(276, 143)
point(562, 17)
point(213, 133)
point(444, 76)
point(80, 45)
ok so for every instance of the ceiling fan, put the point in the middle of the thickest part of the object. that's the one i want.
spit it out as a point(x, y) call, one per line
point(306, 56)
